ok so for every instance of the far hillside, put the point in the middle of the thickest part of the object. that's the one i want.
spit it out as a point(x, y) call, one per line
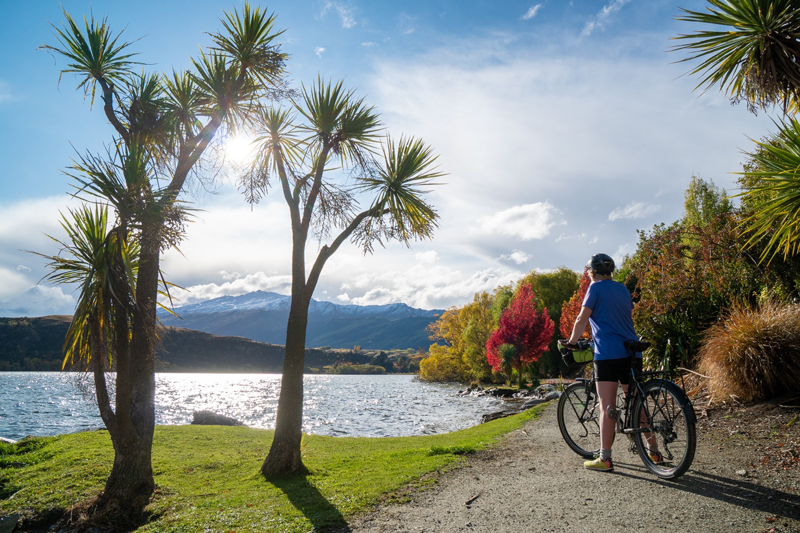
point(35, 344)
point(262, 316)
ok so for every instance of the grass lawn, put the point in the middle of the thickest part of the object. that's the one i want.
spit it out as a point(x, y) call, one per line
point(207, 477)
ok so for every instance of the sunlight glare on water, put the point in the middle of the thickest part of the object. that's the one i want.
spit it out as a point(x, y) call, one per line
point(48, 403)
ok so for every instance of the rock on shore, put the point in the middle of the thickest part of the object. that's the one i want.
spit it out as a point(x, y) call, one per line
point(208, 418)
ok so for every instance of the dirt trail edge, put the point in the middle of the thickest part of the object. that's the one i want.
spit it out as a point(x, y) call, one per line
point(532, 482)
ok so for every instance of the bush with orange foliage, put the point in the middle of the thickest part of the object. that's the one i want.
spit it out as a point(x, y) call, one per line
point(571, 308)
point(753, 353)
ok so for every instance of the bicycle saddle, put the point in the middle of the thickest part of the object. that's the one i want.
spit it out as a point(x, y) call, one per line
point(636, 346)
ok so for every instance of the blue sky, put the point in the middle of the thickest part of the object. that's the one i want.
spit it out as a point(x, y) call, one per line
point(563, 127)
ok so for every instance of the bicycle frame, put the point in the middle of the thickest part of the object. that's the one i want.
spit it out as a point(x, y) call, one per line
point(654, 413)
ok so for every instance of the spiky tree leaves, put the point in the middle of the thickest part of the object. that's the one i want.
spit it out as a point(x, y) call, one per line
point(775, 190)
point(94, 54)
point(330, 129)
point(249, 39)
point(753, 52)
point(399, 187)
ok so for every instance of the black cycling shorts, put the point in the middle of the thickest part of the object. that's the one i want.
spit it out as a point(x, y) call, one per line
point(616, 369)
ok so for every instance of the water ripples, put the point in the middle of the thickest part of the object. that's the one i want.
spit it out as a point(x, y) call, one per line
point(46, 403)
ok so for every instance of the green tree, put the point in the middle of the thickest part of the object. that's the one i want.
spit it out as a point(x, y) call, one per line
point(704, 202)
point(163, 125)
point(460, 335)
point(328, 125)
point(478, 326)
point(552, 290)
point(502, 297)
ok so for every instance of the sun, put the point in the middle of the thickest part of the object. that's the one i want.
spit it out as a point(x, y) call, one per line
point(240, 148)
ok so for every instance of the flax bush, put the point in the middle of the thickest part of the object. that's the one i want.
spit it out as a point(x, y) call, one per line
point(753, 353)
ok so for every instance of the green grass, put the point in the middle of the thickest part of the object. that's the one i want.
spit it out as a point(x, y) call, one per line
point(207, 477)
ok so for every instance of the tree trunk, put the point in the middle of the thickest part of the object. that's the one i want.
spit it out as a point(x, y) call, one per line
point(130, 485)
point(284, 454)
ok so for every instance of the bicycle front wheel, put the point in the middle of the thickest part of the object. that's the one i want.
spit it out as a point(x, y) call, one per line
point(577, 419)
point(668, 449)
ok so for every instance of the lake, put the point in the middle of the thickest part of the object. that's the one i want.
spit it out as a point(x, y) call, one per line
point(51, 403)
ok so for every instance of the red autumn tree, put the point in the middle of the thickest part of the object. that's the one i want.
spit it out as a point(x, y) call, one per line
point(571, 308)
point(522, 326)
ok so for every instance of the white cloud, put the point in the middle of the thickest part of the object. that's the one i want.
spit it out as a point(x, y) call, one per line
point(516, 256)
point(532, 11)
point(528, 222)
point(407, 23)
point(230, 276)
point(432, 287)
point(427, 257)
point(319, 50)
point(250, 283)
point(343, 297)
point(565, 237)
point(345, 12)
point(11, 282)
point(633, 211)
point(625, 249)
point(601, 19)
point(23, 268)
point(368, 44)
point(38, 300)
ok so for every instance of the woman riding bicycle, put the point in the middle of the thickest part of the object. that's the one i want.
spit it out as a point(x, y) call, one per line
point(607, 308)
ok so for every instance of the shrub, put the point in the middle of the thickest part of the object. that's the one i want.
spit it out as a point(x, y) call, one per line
point(753, 353)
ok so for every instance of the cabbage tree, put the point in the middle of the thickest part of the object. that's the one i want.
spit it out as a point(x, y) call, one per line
point(162, 126)
point(306, 148)
point(750, 49)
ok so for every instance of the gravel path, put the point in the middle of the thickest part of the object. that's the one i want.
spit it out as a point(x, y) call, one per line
point(533, 482)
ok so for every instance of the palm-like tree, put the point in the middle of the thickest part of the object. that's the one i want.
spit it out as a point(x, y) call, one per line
point(774, 191)
point(89, 257)
point(328, 125)
point(163, 125)
point(508, 356)
point(752, 52)
point(754, 56)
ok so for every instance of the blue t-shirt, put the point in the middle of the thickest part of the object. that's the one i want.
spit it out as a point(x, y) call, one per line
point(611, 320)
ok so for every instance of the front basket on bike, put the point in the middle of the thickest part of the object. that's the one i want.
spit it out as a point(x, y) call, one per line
point(576, 359)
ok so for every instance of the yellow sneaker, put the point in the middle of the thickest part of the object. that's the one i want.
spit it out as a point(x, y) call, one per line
point(657, 458)
point(597, 464)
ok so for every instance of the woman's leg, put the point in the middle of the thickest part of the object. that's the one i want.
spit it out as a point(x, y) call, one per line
point(607, 393)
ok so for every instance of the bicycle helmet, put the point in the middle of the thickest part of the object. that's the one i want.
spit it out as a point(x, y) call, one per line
point(601, 264)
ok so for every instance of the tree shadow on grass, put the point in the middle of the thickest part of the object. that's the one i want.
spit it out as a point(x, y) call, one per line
point(305, 497)
point(739, 492)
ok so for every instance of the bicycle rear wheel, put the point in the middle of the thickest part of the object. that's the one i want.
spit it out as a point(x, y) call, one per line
point(577, 419)
point(673, 433)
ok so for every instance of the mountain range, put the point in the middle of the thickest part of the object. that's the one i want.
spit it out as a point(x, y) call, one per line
point(36, 344)
point(262, 316)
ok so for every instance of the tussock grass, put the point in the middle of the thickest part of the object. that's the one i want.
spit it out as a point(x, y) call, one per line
point(207, 477)
point(753, 353)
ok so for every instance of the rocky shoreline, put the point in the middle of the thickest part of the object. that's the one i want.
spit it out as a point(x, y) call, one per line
point(515, 401)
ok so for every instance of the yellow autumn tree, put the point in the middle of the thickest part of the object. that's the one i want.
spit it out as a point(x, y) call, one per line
point(459, 349)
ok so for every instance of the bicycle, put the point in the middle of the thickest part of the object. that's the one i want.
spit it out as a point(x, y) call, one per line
point(654, 413)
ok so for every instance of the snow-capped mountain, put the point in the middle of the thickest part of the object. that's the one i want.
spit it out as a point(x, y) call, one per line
point(262, 316)
point(270, 301)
